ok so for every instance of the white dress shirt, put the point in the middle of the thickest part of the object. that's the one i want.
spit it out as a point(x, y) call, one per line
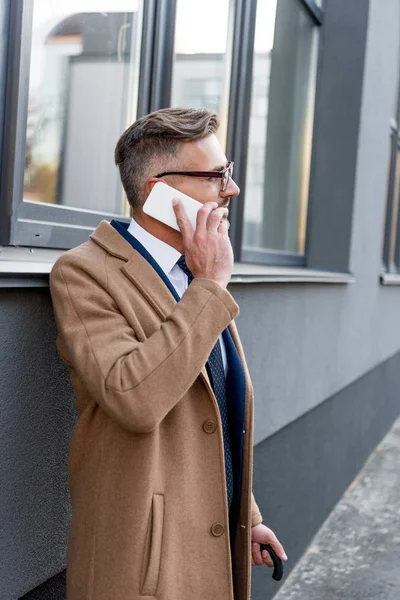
point(166, 256)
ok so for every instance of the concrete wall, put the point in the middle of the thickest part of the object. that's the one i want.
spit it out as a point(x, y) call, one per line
point(37, 415)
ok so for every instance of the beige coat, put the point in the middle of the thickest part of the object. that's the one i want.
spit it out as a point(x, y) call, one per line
point(147, 476)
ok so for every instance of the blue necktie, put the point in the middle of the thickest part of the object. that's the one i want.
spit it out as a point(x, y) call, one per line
point(216, 368)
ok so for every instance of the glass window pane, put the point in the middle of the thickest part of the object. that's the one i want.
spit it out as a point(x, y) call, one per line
point(202, 61)
point(82, 95)
point(280, 136)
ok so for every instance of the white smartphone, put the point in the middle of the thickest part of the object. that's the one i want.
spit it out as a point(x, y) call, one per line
point(159, 205)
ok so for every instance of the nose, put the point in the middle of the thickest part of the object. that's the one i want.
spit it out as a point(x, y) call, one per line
point(232, 189)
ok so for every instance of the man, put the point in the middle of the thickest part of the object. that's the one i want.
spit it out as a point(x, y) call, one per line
point(161, 455)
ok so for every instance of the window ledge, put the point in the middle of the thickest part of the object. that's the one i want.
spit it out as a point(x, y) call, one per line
point(27, 260)
point(30, 267)
point(390, 279)
point(250, 273)
point(26, 267)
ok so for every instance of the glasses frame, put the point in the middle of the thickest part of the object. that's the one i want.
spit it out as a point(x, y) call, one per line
point(224, 175)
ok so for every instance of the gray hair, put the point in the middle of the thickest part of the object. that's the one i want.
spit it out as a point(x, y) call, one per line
point(153, 141)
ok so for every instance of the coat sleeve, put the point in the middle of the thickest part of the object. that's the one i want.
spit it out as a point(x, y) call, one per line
point(256, 516)
point(137, 382)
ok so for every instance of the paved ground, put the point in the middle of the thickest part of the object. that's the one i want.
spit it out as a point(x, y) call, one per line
point(356, 554)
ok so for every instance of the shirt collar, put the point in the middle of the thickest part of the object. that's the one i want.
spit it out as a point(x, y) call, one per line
point(164, 254)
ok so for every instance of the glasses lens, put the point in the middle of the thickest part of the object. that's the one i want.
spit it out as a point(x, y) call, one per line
point(225, 179)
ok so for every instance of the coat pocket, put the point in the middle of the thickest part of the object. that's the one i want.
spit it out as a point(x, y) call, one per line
point(153, 547)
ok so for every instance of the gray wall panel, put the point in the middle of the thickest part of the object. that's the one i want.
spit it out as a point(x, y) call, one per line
point(37, 414)
point(302, 471)
point(52, 589)
point(338, 108)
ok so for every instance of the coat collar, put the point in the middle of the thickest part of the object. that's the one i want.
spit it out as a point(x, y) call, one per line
point(110, 240)
point(145, 276)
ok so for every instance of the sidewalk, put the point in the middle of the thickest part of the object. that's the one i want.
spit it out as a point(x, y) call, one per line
point(356, 553)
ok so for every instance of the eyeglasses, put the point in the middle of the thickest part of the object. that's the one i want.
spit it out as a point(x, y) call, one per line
point(223, 175)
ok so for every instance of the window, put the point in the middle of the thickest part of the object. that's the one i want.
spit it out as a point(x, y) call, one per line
point(280, 131)
point(83, 80)
point(81, 71)
point(391, 247)
point(202, 92)
point(201, 70)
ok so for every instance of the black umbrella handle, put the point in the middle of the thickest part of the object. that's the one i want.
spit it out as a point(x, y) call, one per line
point(278, 565)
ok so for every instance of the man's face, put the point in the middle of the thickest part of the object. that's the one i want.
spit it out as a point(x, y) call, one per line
point(203, 155)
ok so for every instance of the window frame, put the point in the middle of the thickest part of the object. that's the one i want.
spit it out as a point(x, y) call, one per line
point(394, 150)
point(32, 224)
point(238, 129)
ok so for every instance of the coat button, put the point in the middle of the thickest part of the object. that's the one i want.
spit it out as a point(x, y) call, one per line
point(209, 426)
point(217, 529)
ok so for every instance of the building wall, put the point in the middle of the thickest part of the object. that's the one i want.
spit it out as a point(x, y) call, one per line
point(37, 415)
point(324, 361)
point(96, 89)
point(310, 341)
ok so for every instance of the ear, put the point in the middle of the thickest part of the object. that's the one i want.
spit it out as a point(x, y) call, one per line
point(150, 183)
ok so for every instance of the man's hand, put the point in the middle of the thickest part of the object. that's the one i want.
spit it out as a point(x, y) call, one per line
point(208, 249)
point(260, 534)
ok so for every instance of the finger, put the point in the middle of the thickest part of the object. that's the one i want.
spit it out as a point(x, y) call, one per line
point(270, 538)
point(202, 216)
point(277, 546)
point(252, 562)
point(215, 219)
point(223, 227)
point(267, 559)
point(255, 550)
point(183, 220)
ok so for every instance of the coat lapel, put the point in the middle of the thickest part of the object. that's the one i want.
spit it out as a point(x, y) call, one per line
point(123, 230)
point(139, 266)
point(142, 270)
